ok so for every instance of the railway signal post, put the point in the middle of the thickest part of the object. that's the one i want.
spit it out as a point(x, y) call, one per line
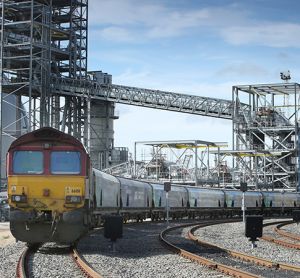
point(243, 188)
point(254, 228)
point(167, 188)
point(296, 216)
point(113, 229)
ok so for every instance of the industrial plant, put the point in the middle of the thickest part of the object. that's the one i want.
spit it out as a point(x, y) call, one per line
point(45, 82)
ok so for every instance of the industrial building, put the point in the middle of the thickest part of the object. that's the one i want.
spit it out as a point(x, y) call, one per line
point(43, 68)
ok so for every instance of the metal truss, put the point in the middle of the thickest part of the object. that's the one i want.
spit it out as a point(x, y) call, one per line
point(157, 99)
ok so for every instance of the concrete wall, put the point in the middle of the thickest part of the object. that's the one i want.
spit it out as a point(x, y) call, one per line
point(102, 133)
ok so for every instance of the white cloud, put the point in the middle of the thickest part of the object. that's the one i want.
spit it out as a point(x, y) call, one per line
point(130, 77)
point(176, 23)
point(139, 22)
point(155, 21)
point(124, 56)
point(266, 33)
point(243, 69)
point(117, 34)
point(136, 21)
point(123, 12)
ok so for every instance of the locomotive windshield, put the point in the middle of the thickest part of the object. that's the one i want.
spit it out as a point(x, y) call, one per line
point(28, 162)
point(65, 162)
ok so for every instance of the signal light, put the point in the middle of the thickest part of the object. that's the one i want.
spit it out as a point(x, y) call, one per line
point(73, 199)
point(19, 198)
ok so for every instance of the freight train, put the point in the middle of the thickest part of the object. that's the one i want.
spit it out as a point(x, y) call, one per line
point(56, 196)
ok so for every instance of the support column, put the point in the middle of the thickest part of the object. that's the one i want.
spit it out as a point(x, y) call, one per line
point(1, 84)
point(196, 164)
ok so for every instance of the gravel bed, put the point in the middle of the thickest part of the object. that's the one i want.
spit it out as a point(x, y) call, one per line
point(52, 260)
point(292, 228)
point(49, 261)
point(269, 231)
point(9, 256)
point(232, 236)
point(139, 254)
point(219, 256)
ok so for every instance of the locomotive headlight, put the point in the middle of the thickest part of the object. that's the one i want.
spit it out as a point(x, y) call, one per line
point(19, 198)
point(73, 199)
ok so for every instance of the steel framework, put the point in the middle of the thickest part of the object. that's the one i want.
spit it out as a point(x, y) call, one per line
point(265, 137)
point(190, 166)
point(157, 99)
point(43, 64)
point(40, 39)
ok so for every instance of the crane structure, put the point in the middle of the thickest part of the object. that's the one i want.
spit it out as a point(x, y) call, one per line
point(45, 81)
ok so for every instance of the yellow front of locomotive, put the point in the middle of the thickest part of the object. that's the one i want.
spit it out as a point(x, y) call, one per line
point(47, 181)
point(46, 194)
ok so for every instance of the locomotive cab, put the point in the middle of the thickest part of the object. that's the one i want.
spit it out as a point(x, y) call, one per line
point(47, 178)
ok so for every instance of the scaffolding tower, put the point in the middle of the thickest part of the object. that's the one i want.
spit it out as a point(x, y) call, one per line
point(40, 39)
point(265, 136)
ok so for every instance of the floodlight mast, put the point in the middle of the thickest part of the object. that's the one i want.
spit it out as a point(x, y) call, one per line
point(285, 76)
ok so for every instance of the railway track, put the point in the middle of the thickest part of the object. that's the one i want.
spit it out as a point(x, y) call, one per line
point(277, 229)
point(84, 265)
point(284, 233)
point(204, 256)
point(24, 266)
point(23, 270)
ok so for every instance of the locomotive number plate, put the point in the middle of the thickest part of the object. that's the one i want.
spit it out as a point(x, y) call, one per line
point(69, 190)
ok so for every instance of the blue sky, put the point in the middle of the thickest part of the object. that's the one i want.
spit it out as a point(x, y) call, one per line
point(194, 47)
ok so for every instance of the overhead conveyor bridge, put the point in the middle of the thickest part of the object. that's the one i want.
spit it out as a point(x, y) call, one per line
point(157, 99)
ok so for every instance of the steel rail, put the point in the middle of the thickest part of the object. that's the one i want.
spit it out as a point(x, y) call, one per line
point(240, 255)
point(84, 265)
point(201, 260)
point(281, 242)
point(21, 271)
point(284, 233)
